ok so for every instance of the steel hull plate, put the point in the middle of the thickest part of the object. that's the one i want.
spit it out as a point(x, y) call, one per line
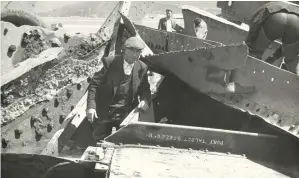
point(170, 162)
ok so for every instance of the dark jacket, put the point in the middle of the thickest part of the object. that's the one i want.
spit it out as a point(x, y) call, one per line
point(162, 24)
point(104, 84)
point(263, 13)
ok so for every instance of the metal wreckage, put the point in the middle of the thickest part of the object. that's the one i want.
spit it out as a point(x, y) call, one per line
point(226, 114)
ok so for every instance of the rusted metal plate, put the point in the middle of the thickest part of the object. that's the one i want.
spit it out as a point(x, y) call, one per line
point(259, 146)
point(139, 9)
point(155, 39)
point(178, 41)
point(124, 8)
point(204, 69)
point(108, 27)
point(275, 98)
point(219, 29)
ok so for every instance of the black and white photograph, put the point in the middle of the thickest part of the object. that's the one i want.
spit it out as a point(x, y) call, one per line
point(149, 89)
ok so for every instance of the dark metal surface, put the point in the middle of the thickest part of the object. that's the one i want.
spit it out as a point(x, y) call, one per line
point(205, 69)
point(219, 29)
point(253, 145)
point(155, 39)
point(275, 98)
point(41, 166)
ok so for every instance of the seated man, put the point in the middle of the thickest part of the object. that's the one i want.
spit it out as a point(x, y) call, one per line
point(201, 28)
point(273, 21)
point(167, 23)
point(117, 88)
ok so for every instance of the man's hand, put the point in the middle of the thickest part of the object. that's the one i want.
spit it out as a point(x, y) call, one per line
point(91, 114)
point(143, 106)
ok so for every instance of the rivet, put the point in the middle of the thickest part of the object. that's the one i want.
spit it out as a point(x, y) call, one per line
point(79, 86)
point(69, 93)
point(50, 126)
point(288, 82)
point(56, 103)
point(4, 142)
point(272, 79)
point(5, 31)
point(254, 72)
point(263, 71)
point(18, 133)
point(61, 118)
point(45, 112)
point(88, 80)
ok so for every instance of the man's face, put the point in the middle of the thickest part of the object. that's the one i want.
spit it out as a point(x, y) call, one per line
point(132, 54)
point(168, 14)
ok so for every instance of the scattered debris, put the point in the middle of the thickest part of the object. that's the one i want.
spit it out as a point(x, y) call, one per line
point(33, 43)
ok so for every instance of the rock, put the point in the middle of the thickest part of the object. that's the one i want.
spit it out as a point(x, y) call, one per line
point(12, 48)
point(55, 42)
point(93, 37)
point(66, 37)
point(27, 102)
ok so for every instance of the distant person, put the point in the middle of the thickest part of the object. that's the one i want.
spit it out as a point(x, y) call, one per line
point(201, 28)
point(167, 23)
point(274, 21)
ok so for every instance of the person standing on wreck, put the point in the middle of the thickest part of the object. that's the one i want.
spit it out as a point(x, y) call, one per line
point(167, 23)
point(276, 21)
point(120, 86)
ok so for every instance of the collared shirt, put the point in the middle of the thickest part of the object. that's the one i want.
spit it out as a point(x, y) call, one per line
point(128, 68)
point(201, 30)
point(168, 25)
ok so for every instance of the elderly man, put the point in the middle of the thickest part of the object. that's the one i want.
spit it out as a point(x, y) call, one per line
point(167, 23)
point(273, 21)
point(121, 85)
